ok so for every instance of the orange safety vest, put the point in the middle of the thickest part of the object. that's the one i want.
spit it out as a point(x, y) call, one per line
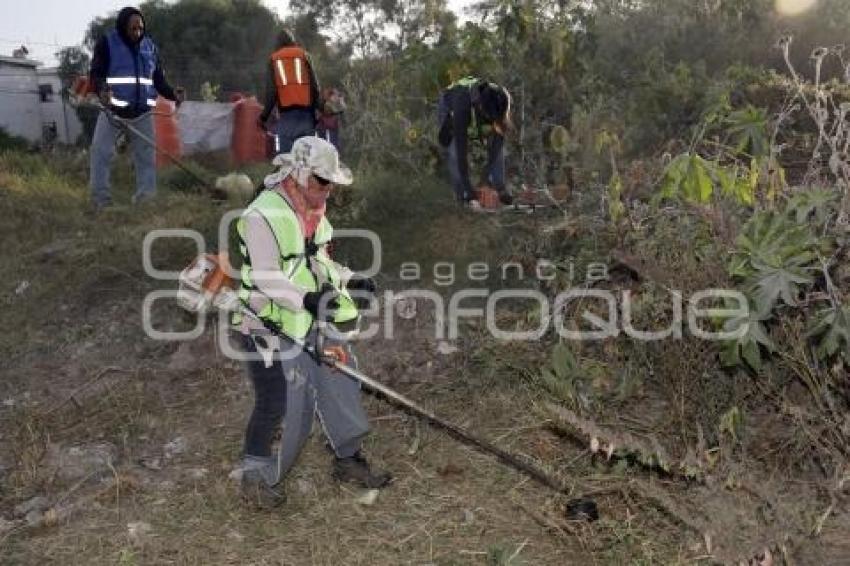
point(291, 77)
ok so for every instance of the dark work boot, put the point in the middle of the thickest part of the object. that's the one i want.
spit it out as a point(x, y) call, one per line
point(257, 492)
point(356, 470)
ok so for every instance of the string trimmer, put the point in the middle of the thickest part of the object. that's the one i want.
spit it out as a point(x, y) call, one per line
point(205, 286)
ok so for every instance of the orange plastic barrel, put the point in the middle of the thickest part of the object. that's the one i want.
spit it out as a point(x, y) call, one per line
point(249, 141)
point(167, 133)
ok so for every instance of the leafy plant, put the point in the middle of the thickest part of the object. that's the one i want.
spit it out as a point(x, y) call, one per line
point(561, 376)
point(746, 349)
point(817, 204)
point(209, 91)
point(695, 179)
point(831, 328)
point(775, 257)
point(748, 129)
point(570, 380)
point(732, 423)
point(12, 142)
point(610, 141)
point(688, 175)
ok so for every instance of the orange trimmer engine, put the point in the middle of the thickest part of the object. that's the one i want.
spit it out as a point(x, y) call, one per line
point(336, 354)
point(207, 283)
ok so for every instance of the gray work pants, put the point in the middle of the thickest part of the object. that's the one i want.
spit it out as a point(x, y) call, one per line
point(311, 389)
point(103, 150)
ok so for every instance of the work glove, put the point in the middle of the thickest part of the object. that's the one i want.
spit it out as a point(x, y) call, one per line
point(364, 290)
point(322, 304)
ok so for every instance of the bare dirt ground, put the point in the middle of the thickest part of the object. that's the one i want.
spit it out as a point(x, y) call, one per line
point(118, 449)
point(130, 444)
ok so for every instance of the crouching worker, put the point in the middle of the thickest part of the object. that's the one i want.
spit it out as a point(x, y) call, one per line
point(473, 110)
point(289, 280)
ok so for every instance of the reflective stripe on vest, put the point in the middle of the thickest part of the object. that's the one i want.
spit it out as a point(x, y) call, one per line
point(291, 77)
point(293, 264)
point(123, 103)
point(281, 72)
point(130, 73)
point(128, 81)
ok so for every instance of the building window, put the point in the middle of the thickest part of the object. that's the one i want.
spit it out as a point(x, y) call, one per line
point(45, 92)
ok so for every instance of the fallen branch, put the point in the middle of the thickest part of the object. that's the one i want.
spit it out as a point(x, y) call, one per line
point(612, 444)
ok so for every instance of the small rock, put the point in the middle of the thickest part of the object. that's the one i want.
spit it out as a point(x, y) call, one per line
point(22, 287)
point(38, 503)
point(368, 497)
point(9, 402)
point(78, 462)
point(138, 532)
point(198, 473)
point(236, 474)
point(236, 535)
point(468, 517)
point(34, 517)
point(175, 447)
point(446, 349)
point(236, 185)
point(151, 463)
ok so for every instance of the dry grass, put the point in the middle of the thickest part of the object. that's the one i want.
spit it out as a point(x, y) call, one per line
point(80, 373)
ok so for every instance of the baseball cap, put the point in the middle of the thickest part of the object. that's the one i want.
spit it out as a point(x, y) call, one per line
point(311, 154)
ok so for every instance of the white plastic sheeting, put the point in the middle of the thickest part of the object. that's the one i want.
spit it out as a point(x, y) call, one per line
point(205, 126)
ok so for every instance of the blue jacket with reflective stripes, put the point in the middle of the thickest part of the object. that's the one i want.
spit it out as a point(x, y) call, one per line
point(130, 74)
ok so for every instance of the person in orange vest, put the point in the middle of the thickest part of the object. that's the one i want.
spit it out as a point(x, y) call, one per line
point(293, 89)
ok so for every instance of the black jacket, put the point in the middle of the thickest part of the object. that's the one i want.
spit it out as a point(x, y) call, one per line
point(100, 65)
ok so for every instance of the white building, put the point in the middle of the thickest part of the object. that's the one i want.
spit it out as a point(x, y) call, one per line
point(20, 111)
point(56, 112)
point(31, 104)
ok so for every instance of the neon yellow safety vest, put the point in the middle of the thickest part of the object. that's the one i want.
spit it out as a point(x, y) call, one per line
point(473, 131)
point(294, 264)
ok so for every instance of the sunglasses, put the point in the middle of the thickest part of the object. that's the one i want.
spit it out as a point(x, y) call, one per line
point(322, 181)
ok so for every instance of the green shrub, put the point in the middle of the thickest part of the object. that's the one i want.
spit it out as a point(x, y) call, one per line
point(12, 142)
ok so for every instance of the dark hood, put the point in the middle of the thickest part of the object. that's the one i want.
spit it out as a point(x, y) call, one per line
point(123, 18)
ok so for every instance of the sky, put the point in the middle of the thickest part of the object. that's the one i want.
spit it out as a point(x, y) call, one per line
point(45, 26)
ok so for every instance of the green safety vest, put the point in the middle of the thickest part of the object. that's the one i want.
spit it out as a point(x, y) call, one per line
point(473, 130)
point(294, 264)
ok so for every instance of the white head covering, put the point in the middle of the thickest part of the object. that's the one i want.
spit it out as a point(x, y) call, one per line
point(309, 155)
